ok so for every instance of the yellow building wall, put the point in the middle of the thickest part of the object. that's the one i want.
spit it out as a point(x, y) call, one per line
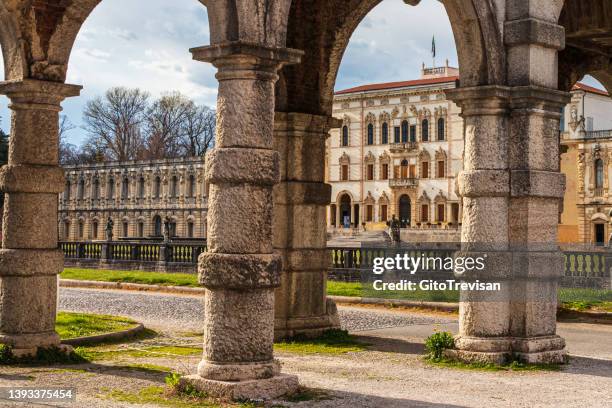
point(568, 227)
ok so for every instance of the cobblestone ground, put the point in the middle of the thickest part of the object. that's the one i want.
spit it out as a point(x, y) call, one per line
point(390, 373)
point(187, 312)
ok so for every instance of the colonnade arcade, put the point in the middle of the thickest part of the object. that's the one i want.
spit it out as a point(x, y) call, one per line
point(265, 267)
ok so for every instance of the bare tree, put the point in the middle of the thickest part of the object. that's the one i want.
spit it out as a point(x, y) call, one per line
point(164, 125)
point(114, 122)
point(198, 133)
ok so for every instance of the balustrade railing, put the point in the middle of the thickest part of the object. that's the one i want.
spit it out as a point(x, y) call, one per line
point(578, 264)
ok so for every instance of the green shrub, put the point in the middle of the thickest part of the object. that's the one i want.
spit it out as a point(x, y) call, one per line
point(437, 343)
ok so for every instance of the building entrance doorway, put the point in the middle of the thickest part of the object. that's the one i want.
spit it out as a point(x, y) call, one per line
point(345, 211)
point(404, 210)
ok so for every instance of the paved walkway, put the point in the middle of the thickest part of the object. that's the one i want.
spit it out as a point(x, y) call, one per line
point(391, 373)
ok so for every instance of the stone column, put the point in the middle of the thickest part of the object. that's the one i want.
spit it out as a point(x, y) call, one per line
point(30, 259)
point(484, 317)
point(300, 236)
point(240, 269)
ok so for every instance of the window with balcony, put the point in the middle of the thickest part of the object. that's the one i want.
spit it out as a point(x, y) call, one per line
point(94, 230)
point(125, 229)
point(370, 140)
point(404, 169)
point(412, 171)
point(140, 229)
point(405, 131)
point(425, 130)
point(370, 172)
point(80, 229)
point(441, 130)
point(385, 133)
point(190, 229)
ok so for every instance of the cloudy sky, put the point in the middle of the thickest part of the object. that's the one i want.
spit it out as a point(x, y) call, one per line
point(144, 43)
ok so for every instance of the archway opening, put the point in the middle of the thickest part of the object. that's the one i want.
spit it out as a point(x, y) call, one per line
point(405, 208)
point(345, 210)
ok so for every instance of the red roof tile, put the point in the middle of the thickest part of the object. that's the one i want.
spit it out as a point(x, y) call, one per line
point(587, 88)
point(400, 84)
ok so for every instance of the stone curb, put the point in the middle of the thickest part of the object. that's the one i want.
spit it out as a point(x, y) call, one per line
point(74, 283)
point(105, 337)
point(440, 306)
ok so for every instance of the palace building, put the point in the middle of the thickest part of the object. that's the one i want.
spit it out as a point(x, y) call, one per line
point(397, 152)
point(400, 147)
point(138, 196)
point(586, 138)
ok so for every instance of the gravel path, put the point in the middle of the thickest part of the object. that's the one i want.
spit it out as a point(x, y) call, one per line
point(186, 312)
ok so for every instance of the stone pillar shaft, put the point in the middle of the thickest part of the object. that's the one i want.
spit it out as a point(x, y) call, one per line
point(30, 259)
point(240, 269)
point(300, 202)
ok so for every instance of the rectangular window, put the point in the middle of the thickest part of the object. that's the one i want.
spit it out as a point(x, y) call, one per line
point(125, 229)
point(455, 211)
point(413, 133)
point(383, 212)
point(369, 213)
point(589, 124)
point(94, 230)
point(440, 213)
point(141, 229)
point(425, 170)
point(190, 230)
point(412, 173)
point(396, 134)
point(384, 172)
point(441, 169)
point(370, 172)
point(345, 172)
point(424, 213)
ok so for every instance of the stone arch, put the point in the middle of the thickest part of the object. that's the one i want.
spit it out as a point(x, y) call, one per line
point(309, 85)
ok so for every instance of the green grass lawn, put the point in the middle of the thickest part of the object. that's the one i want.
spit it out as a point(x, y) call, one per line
point(147, 278)
point(576, 299)
point(70, 325)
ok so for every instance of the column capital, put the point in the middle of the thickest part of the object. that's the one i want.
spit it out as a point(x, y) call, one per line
point(34, 91)
point(481, 100)
point(243, 60)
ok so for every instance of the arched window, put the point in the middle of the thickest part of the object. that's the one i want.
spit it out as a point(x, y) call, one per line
point(66, 229)
point(96, 189)
point(94, 230)
point(67, 191)
point(80, 229)
point(141, 187)
point(125, 188)
point(425, 130)
point(404, 169)
point(441, 129)
point(190, 229)
point(370, 134)
point(599, 173)
point(140, 229)
point(174, 189)
point(192, 186)
point(385, 133)
point(405, 131)
point(157, 187)
point(125, 228)
point(111, 188)
point(345, 136)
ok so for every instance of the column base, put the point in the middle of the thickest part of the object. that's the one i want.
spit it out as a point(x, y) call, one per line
point(310, 327)
point(237, 371)
point(261, 389)
point(532, 350)
point(30, 340)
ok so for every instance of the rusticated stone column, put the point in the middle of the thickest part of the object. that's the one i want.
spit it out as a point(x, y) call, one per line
point(30, 259)
point(536, 191)
point(484, 317)
point(300, 202)
point(240, 269)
